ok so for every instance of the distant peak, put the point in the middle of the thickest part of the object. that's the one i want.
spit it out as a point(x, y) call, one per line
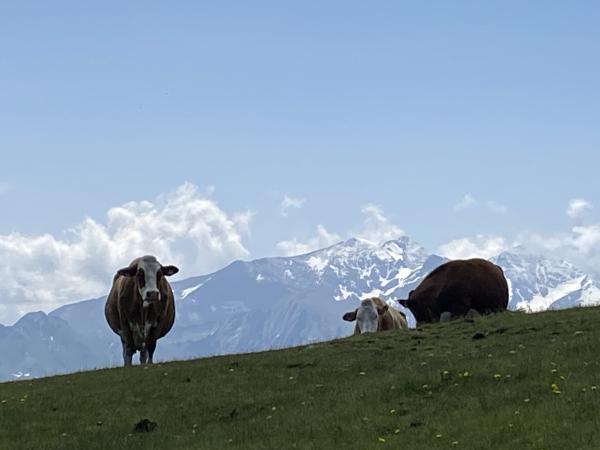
point(520, 252)
point(35, 316)
point(400, 239)
point(358, 241)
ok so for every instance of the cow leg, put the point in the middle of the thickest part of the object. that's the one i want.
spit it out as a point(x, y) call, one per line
point(144, 354)
point(472, 313)
point(151, 347)
point(446, 316)
point(127, 354)
point(127, 342)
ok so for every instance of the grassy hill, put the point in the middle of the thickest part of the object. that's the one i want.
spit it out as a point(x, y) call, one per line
point(509, 381)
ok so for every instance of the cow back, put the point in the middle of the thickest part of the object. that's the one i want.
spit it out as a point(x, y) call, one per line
point(458, 286)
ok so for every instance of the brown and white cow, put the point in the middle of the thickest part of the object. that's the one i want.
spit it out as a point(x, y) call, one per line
point(140, 307)
point(374, 315)
point(459, 288)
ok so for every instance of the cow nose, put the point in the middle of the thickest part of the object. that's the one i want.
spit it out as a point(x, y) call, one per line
point(152, 296)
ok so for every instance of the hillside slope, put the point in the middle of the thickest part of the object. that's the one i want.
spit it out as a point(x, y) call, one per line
point(272, 303)
point(526, 381)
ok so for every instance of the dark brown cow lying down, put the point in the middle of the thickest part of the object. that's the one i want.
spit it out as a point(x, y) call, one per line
point(456, 288)
point(140, 307)
point(374, 315)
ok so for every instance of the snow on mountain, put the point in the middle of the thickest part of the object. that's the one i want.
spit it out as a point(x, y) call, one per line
point(272, 303)
point(538, 283)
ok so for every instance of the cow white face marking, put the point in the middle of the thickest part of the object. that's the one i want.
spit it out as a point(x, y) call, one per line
point(367, 317)
point(148, 273)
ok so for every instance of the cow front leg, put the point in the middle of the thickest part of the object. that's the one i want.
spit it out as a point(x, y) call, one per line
point(151, 347)
point(472, 314)
point(127, 354)
point(144, 354)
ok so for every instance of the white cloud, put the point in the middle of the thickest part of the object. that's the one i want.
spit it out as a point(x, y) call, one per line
point(183, 227)
point(323, 238)
point(479, 246)
point(586, 239)
point(578, 207)
point(496, 208)
point(581, 245)
point(468, 201)
point(377, 227)
point(243, 220)
point(290, 202)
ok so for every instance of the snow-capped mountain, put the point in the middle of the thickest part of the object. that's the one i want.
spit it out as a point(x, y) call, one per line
point(271, 303)
point(537, 283)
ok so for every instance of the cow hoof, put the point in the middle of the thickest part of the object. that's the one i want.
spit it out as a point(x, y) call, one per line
point(446, 316)
point(472, 314)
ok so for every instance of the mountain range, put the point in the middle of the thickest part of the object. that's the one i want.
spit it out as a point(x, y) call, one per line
point(273, 303)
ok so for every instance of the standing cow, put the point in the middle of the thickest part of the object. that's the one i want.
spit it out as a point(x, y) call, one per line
point(140, 307)
point(457, 287)
point(374, 315)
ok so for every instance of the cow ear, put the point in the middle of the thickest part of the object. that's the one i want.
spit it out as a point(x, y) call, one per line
point(169, 270)
point(127, 271)
point(350, 316)
point(403, 303)
point(381, 311)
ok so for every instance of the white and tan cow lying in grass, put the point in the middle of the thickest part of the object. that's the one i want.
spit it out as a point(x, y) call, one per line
point(374, 315)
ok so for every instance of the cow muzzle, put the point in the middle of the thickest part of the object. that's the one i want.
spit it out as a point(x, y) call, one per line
point(151, 297)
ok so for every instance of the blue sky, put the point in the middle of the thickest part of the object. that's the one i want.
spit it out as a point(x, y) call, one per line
point(409, 106)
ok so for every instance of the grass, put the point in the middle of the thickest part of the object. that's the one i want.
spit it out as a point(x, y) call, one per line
point(529, 382)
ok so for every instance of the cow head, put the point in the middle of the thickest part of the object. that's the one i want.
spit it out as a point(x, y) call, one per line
point(148, 273)
point(367, 315)
point(420, 309)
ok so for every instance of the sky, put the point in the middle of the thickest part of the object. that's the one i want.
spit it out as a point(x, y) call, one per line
point(212, 131)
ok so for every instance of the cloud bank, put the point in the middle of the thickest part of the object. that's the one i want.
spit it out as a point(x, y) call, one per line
point(579, 245)
point(322, 238)
point(184, 227)
point(376, 227)
point(479, 246)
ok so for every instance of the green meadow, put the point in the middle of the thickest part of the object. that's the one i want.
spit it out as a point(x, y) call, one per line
point(508, 381)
